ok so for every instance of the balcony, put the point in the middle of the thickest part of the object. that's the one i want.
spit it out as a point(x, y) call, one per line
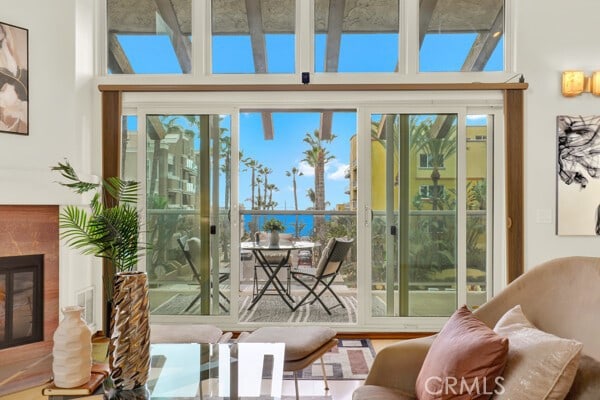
point(189, 187)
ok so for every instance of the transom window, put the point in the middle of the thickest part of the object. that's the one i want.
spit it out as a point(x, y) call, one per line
point(461, 35)
point(262, 37)
point(356, 36)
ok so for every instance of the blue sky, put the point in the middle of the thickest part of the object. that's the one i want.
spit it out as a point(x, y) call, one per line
point(358, 53)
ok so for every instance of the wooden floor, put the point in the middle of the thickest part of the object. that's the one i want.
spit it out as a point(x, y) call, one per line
point(338, 390)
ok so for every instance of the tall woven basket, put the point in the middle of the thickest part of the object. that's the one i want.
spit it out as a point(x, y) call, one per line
point(129, 346)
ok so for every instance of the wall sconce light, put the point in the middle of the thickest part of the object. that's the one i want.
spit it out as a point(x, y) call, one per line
point(575, 82)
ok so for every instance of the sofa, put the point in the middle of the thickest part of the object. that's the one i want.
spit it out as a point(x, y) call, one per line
point(561, 297)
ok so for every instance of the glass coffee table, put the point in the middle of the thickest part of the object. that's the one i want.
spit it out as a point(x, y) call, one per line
point(211, 371)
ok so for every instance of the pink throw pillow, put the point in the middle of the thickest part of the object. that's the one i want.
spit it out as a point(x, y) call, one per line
point(464, 362)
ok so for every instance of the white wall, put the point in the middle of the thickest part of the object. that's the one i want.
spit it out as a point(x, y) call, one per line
point(61, 94)
point(552, 36)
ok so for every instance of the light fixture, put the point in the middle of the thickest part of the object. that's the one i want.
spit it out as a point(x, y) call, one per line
point(575, 82)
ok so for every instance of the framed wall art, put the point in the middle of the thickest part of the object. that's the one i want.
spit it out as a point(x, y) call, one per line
point(14, 79)
point(578, 180)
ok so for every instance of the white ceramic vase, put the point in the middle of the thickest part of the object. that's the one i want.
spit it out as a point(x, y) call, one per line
point(72, 351)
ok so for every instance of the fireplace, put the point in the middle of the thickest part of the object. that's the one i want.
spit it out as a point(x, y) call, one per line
point(21, 300)
point(27, 230)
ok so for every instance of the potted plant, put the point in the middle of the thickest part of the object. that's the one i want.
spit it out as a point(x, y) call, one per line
point(110, 229)
point(274, 226)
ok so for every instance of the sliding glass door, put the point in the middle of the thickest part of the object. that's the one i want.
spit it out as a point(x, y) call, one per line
point(184, 161)
point(431, 212)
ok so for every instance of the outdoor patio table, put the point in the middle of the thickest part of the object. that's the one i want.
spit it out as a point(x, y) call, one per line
point(271, 271)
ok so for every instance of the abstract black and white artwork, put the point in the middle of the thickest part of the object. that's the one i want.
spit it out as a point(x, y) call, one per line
point(578, 169)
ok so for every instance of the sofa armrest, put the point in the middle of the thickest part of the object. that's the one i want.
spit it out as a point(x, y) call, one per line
point(397, 366)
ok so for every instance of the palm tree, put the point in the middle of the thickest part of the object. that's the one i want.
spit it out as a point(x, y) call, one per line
point(293, 173)
point(225, 155)
point(265, 172)
point(317, 156)
point(438, 149)
point(254, 166)
point(271, 187)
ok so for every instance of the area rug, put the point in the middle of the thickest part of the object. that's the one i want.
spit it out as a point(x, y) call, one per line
point(350, 360)
point(271, 308)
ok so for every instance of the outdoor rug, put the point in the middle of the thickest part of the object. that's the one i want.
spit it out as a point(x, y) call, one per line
point(271, 308)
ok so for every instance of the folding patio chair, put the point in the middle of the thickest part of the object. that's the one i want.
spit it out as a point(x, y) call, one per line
point(224, 301)
point(328, 268)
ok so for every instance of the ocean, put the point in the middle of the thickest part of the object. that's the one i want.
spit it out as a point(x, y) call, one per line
point(305, 222)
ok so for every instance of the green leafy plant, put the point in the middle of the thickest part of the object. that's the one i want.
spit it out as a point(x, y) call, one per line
point(273, 224)
point(110, 228)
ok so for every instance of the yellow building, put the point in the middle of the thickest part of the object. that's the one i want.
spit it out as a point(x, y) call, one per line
point(420, 185)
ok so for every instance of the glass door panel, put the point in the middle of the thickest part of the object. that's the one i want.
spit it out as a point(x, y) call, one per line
point(413, 199)
point(298, 167)
point(187, 195)
point(478, 158)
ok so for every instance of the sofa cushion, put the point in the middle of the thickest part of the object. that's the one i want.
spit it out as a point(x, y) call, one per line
point(184, 333)
point(540, 365)
point(586, 385)
point(300, 341)
point(464, 360)
point(372, 392)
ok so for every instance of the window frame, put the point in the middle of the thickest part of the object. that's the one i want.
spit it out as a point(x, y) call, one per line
point(213, 100)
point(408, 69)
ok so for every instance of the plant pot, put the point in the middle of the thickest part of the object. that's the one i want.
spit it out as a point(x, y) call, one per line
point(72, 350)
point(274, 239)
point(129, 346)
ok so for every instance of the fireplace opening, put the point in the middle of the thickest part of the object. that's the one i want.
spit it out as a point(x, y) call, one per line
point(21, 300)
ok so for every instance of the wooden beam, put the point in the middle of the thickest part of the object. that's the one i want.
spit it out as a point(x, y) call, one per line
point(325, 125)
point(118, 62)
point(332, 55)
point(181, 43)
point(515, 232)
point(334, 34)
point(156, 129)
point(484, 45)
point(354, 87)
point(426, 8)
point(257, 36)
point(259, 54)
point(267, 122)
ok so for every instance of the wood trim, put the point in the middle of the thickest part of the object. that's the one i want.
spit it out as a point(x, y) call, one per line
point(111, 132)
point(314, 87)
point(515, 235)
point(111, 160)
point(513, 121)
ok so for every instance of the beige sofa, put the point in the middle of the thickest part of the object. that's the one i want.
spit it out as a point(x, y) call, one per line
point(561, 297)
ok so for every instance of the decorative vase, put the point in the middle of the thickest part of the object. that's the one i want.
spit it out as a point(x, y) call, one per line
point(72, 350)
point(129, 346)
point(274, 238)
